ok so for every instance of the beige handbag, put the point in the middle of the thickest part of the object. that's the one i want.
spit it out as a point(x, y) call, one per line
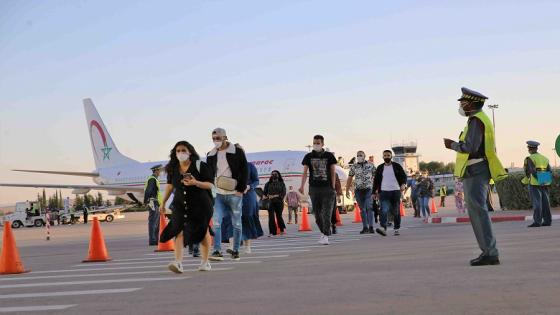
point(226, 183)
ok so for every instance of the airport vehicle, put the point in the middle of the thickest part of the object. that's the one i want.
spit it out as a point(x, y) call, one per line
point(122, 176)
point(26, 214)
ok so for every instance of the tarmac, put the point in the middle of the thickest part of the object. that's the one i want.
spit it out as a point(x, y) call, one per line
point(425, 270)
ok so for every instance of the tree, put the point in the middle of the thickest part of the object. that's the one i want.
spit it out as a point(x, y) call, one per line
point(44, 200)
point(79, 203)
point(119, 201)
point(99, 200)
point(435, 168)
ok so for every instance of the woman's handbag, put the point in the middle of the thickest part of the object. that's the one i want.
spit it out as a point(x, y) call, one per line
point(226, 183)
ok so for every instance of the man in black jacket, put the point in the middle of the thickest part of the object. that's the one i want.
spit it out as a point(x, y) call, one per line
point(388, 185)
point(229, 165)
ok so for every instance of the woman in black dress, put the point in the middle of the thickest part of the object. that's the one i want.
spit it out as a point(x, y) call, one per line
point(275, 191)
point(190, 181)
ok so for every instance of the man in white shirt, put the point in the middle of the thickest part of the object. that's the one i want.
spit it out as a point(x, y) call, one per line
point(388, 185)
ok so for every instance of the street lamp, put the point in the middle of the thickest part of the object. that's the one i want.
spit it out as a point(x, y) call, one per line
point(493, 107)
point(309, 147)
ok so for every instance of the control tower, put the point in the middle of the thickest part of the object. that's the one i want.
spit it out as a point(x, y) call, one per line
point(405, 154)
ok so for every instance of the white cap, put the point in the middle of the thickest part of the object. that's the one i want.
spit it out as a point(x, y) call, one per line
point(219, 132)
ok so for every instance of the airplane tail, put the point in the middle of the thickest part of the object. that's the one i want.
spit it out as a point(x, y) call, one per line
point(105, 152)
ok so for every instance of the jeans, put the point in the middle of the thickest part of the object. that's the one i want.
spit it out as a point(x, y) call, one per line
point(424, 203)
point(541, 205)
point(475, 184)
point(231, 204)
point(390, 202)
point(153, 226)
point(323, 199)
point(364, 200)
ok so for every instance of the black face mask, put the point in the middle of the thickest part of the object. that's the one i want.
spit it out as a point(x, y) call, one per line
point(388, 160)
point(275, 177)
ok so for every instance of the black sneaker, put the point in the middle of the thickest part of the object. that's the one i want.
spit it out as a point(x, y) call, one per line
point(216, 256)
point(364, 231)
point(333, 229)
point(381, 231)
point(534, 225)
point(371, 230)
point(235, 255)
point(229, 251)
point(196, 253)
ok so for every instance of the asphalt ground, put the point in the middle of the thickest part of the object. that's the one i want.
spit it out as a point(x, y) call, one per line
point(425, 270)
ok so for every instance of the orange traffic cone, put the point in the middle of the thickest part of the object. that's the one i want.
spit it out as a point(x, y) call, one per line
point(403, 214)
point(10, 263)
point(357, 215)
point(338, 219)
point(433, 207)
point(304, 226)
point(167, 246)
point(97, 249)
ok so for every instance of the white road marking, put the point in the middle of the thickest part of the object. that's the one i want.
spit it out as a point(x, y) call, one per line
point(37, 308)
point(144, 267)
point(188, 258)
point(67, 293)
point(56, 284)
point(105, 274)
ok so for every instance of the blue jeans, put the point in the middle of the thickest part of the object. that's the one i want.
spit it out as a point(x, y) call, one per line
point(153, 226)
point(390, 201)
point(541, 205)
point(232, 204)
point(475, 183)
point(424, 205)
point(364, 200)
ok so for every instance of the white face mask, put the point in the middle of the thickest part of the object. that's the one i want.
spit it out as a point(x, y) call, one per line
point(182, 156)
point(361, 159)
point(462, 112)
point(218, 144)
point(317, 147)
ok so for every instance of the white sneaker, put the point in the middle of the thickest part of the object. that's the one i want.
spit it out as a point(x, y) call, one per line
point(205, 266)
point(176, 267)
point(397, 232)
point(324, 240)
point(248, 249)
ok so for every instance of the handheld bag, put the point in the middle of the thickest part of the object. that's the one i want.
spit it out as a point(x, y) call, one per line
point(226, 183)
point(544, 178)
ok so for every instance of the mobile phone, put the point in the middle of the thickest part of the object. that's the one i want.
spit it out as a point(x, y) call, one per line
point(187, 176)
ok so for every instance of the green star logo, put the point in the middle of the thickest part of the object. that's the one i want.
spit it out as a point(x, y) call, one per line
point(106, 151)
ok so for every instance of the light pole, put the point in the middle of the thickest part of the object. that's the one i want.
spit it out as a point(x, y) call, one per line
point(493, 107)
point(309, 147)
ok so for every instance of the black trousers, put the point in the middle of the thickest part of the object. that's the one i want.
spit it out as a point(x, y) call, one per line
point(275, 211)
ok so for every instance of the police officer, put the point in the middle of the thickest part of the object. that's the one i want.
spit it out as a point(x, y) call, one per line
point(152, 198)
point(476, 163)
point(538, 177)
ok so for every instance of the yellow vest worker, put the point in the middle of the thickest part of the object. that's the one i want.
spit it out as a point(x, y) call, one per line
point(538, 177)
point(476, 163)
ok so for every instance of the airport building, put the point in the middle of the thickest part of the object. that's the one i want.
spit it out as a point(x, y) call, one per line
point(405, 154)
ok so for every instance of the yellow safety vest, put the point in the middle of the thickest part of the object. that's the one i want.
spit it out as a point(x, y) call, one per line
point(497, 171)
point(541, 164)
point(159, 197)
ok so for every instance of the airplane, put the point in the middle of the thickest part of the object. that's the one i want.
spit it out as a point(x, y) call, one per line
point(122, 176)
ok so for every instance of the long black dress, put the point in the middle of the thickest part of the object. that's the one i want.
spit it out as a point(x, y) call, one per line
point(192, 207)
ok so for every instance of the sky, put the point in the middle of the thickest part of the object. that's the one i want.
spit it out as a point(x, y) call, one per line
point(365, 74)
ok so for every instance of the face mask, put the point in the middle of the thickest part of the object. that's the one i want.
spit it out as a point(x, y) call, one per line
point(182, 156)
point(387, 160)
point(217, 144)
point(462, 112)
point(360, 159)
point(317, 147)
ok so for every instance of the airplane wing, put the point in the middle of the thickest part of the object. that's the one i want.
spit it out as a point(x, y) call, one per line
point(92, 187)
